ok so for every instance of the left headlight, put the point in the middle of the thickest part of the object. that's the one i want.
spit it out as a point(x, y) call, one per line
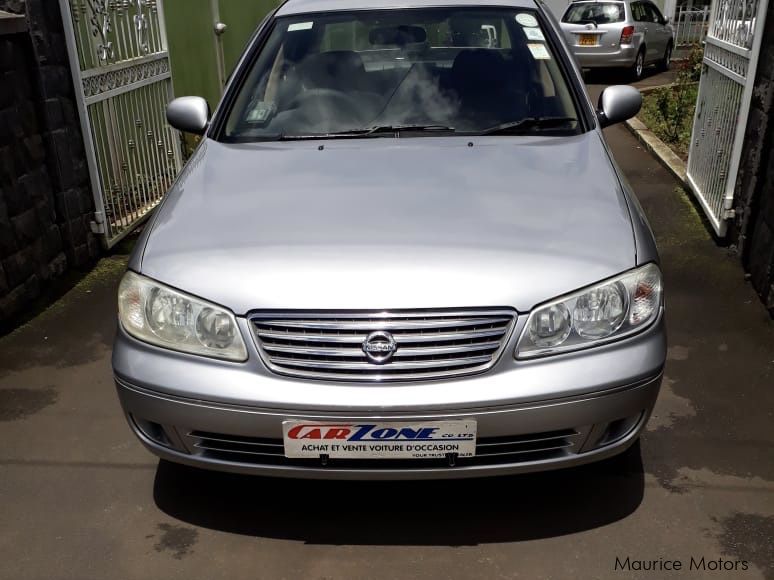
point(607, 311)
point(157, 314)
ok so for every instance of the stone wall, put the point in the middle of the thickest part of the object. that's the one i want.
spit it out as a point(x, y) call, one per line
point(755, 186)
point(45, 194)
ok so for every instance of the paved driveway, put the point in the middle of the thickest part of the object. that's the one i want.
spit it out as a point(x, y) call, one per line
point(79, 497)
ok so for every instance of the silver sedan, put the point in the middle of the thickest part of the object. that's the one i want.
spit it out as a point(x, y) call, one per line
point(401, 250)
point(627, 34)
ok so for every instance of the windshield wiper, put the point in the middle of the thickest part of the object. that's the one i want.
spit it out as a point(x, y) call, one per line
point(399, 128)
point(365, 132)
point(302, 137)
point(527, 124)
point(510, 128)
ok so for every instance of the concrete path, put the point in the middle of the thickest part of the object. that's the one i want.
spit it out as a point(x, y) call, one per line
point(79, 497)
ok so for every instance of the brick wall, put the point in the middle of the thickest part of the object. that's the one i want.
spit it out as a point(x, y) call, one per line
point(30, 242)
point(45, 194)
point(755, 185)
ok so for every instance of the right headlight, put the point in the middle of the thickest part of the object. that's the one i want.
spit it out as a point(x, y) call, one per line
point(607, 311)
point(163, 316)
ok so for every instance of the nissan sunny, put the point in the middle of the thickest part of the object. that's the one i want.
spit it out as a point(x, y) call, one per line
point(402, 249)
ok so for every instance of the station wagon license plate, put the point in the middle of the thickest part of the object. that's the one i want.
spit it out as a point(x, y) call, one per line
point(588, 40)
point(379, 440)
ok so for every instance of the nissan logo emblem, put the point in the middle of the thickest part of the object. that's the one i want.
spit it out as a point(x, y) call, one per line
point(379, 347)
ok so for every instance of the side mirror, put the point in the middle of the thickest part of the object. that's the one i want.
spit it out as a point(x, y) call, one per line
point(618, 103)
point(189, 114)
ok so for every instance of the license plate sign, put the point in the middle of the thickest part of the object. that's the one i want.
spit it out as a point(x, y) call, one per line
point(588, 40)
point(379, 440)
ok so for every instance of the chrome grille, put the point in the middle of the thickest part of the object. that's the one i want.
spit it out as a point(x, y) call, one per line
point(429, 345)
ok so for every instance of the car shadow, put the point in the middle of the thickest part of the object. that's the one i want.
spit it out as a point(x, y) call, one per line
point(445, 513)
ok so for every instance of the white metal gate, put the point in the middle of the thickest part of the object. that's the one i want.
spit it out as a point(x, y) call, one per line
point(725, 91)
point(690, 25)
point(120, 66)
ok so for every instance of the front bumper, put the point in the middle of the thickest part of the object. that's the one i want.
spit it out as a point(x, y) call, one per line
point(549, 435)
point(532, 415)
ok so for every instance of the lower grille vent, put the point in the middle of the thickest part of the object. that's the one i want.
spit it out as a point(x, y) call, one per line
point(489, 451)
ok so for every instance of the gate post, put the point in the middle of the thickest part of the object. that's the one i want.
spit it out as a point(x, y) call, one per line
point(736, 153)
point(723, 103)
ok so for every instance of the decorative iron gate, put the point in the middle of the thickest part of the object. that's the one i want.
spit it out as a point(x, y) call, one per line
point(690, 25)
point(725, 91)
point(120, 66)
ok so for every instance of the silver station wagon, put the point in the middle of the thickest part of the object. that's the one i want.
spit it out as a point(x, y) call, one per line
point(629, 34)
point(401, 250)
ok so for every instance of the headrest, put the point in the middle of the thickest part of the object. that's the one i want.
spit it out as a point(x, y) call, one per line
point(477, 67)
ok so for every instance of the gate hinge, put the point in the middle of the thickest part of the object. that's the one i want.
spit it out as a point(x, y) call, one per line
point(98, 223)
point(728, 208)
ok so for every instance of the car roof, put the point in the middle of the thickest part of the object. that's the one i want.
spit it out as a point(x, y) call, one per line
point(305, 6)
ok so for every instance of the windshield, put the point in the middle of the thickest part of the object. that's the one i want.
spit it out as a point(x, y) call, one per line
point(596, 12)
point(433, 71)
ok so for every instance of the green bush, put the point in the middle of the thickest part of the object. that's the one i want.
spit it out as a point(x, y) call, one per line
point(668, 111)
point(691, 67)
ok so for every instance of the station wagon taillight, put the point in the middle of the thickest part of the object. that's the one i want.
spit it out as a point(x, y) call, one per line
point(627, 34)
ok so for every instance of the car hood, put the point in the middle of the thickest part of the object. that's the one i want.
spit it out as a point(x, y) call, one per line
point(387, 223)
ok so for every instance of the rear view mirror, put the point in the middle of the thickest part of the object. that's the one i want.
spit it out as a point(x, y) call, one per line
point(189, 114)
point(397, 35)
point(618, 103)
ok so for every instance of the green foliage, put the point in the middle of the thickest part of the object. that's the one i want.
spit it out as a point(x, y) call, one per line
point(668, 111)
point(190, 143)
point(691, 67)
point(672, 108)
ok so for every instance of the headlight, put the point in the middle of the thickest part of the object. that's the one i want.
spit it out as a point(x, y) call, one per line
point(606, 311)
point(157, 314)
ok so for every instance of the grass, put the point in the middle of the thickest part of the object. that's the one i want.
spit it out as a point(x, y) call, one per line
point(668, 111)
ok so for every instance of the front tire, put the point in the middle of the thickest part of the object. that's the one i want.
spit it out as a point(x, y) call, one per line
point(666, 62)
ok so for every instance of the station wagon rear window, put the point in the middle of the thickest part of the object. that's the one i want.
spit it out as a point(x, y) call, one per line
point(596, 12)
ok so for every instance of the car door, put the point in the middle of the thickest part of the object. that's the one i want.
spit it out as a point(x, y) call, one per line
point(664, 28)
point(656, 36)
point(641, 24)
